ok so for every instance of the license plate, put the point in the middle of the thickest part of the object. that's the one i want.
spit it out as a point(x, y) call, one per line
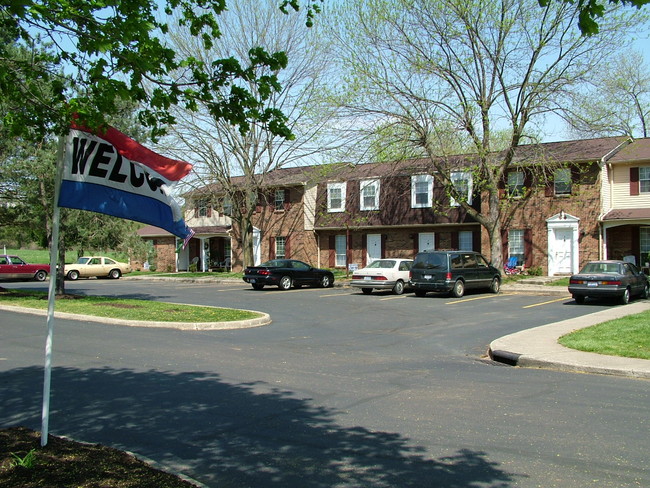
point(367, 278)
point(253, 280)
point(427, 277)
point(592, 283)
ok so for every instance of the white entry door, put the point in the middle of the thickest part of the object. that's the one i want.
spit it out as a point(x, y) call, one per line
point(373, 247)
point(426, 241)
point(562, 248)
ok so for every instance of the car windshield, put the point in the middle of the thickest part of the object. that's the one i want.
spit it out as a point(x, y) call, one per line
point(382, 263)
point(82, 260)
point(606, 268)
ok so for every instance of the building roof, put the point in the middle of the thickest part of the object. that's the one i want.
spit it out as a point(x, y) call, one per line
point(212, 230)
point(638, 150)
point(583, 150)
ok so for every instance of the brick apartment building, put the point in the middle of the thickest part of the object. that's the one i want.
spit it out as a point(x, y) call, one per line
point(593, 202)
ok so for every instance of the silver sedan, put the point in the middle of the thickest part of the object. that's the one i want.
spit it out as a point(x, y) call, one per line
point(383, 274)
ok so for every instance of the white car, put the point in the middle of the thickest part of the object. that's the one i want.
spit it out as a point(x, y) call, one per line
point(98, 266)
point(383, 274)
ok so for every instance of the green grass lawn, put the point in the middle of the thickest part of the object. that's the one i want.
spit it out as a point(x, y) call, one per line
point(627, 337)
point(128, 309)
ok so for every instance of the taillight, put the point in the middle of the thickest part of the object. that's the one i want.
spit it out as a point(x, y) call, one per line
point(357, 277)
point(617, 283)
point(381, 278)
point(448, 276)
point(576, 282)
point(264, 272)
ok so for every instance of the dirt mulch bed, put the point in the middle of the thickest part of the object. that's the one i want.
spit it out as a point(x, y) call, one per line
point(64, 463)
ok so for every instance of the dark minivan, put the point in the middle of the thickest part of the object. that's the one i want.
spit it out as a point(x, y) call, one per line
point(453, 272)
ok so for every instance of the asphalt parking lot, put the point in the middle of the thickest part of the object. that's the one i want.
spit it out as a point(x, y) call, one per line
point(341, 389)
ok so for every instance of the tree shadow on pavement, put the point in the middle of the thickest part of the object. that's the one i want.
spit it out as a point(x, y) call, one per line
point(231, 435)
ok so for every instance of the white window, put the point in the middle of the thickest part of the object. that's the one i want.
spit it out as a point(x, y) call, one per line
point(340, 247)
point(465, 240)
point(202, 208)
point(515, 183)
point(562, 181)
point(462, 181)
point(369, 195)
point(644, 241)
point(227, 206)
point(421, 191)
point(280, 243)
point(279, 199)
point(336, 197)
point(516, 245)
point(644, 179)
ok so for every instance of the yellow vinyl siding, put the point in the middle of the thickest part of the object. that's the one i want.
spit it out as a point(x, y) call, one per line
point(621, 197)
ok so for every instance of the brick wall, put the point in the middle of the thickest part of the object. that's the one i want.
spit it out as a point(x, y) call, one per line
point(583, 203)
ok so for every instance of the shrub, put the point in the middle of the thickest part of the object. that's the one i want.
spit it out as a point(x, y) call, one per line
point(535, 271)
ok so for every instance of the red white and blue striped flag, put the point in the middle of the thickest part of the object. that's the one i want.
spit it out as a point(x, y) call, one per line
point(110, 173)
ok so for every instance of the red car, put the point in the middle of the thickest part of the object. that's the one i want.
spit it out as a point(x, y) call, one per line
point(14, 268)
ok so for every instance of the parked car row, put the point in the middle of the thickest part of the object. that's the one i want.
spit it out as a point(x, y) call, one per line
point(440, 271)
point(14, 268)
point(451, 272)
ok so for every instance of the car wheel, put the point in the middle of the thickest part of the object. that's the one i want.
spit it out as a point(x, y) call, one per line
point(398, 289)
point(73, 275)
point(646, 292)
point(495, 287)
point(459, 289)
point(257, 286)
point(625, 297)
point(579, 299)
point(114, 274)
point(325, 281)
point(366, 291)
point(285, 283)
point(420, 293)
point(40, 275)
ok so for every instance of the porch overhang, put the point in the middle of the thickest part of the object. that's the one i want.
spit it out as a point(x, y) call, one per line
point(199, 232)
point(626, 215)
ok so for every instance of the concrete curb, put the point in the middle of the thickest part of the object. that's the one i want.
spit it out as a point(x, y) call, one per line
point(263, 319)
point(539, 347)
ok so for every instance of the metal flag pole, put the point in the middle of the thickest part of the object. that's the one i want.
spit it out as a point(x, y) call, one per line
point(54, 256)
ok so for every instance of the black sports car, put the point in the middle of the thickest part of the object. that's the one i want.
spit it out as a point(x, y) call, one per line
point(285, 273)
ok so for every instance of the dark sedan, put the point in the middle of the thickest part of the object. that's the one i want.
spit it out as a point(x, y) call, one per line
point(285, 273)
point(609, 279)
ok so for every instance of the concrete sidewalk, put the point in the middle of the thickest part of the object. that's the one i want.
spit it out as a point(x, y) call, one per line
point(538, 347)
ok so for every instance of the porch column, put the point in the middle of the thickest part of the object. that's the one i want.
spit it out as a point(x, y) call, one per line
point(205, 247)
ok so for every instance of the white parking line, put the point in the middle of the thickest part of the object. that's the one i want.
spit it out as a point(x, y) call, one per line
point(546, 303)
point(483, 297)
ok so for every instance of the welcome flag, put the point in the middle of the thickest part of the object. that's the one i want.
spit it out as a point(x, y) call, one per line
point(110, 173)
